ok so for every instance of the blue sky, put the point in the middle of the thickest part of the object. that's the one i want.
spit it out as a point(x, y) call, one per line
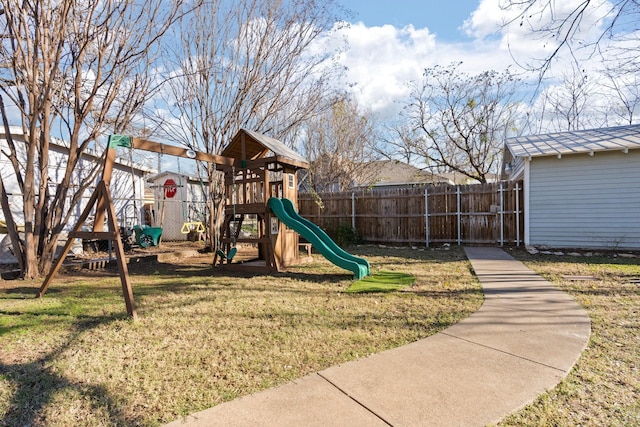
point(442, 17)
point(391, 43)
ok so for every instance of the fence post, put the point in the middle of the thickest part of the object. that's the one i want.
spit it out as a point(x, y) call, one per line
point(353, 210)
point(517, 213)
point(437, 205)
point(459, 214)
point(501, 191)
point(426, 216)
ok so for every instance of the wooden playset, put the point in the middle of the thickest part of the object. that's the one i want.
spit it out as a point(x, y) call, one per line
point(267, 169)
point(256, 168)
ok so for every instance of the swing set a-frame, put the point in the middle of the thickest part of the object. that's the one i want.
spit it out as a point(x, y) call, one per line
point(255, 168)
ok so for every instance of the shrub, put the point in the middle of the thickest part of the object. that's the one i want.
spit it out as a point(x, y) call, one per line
point(347, 235)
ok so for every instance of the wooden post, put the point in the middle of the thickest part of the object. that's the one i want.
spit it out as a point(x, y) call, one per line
point(501, 191)
point(101, 207)
point(353, 210)
point(101, 194)
point(459, 214)
point(426, 215)
point(517, 189)
point(120, 258)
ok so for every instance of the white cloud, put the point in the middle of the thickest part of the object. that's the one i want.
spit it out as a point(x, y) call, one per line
point(487, 20)
point(380, 61)
point(534, 38)
point(491, 16)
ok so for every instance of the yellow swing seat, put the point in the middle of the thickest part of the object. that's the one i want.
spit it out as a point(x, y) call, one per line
point(187, 227)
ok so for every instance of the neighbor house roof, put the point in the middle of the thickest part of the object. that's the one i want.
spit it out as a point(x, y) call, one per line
point(250, 145)
point(393, 173)
point(573, 142)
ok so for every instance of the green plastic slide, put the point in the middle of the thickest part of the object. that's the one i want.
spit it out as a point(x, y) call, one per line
point(291, 210)
point(284, 210)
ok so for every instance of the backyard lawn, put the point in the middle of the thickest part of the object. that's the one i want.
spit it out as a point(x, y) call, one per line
point(205, 337)
point(603, 389)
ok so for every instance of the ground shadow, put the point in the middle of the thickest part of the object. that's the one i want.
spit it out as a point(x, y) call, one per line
point(26, 290)
point(35, 385)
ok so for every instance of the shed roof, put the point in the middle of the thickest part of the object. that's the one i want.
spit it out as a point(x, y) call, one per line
point(250, 145)
point(573, 142)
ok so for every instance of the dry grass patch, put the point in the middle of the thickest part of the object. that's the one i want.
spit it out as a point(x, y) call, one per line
point(603, 389)
point(204, 337)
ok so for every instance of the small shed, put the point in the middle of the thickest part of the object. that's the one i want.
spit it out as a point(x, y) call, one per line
point(179, 199)
point(581, 188)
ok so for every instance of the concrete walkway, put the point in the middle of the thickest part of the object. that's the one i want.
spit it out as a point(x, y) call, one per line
point(524, 339)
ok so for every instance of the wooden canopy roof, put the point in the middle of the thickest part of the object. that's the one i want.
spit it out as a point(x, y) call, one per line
point(248, 145)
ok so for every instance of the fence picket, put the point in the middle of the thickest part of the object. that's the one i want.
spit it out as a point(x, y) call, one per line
point(462, 214)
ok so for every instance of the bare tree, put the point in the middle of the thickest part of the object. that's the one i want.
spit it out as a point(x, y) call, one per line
point(462, 119)
point(584, 100)
point(625, 88)
point(398, 142)
point(572, 105)
point(338, 145)
point(256, 64)
point(589, 27)
point(77, 70)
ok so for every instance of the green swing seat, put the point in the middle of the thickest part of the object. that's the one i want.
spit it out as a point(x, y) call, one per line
point(147, 236)
point(229, 256)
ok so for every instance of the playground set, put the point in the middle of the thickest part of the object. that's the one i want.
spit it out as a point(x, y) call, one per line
point(260, 182)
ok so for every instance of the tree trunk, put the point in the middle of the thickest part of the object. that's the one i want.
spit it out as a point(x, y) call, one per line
point(12, 230)
point(48, 255)
point(31, 270)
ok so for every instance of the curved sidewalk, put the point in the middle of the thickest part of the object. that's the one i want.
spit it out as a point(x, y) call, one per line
point(524, 339)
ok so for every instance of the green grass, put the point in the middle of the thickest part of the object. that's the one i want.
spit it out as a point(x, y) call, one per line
point(382, 281)
point(204, 337)
point(74, 358)
point(603, 388)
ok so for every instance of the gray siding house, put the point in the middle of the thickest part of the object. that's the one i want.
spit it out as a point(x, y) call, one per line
point(581, 188)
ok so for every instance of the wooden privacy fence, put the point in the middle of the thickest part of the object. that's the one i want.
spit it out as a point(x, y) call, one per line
point(462, 214)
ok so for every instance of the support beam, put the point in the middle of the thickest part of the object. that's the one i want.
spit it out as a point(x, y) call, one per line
point(101, 195)
point(156, 147)
point(107, 171)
